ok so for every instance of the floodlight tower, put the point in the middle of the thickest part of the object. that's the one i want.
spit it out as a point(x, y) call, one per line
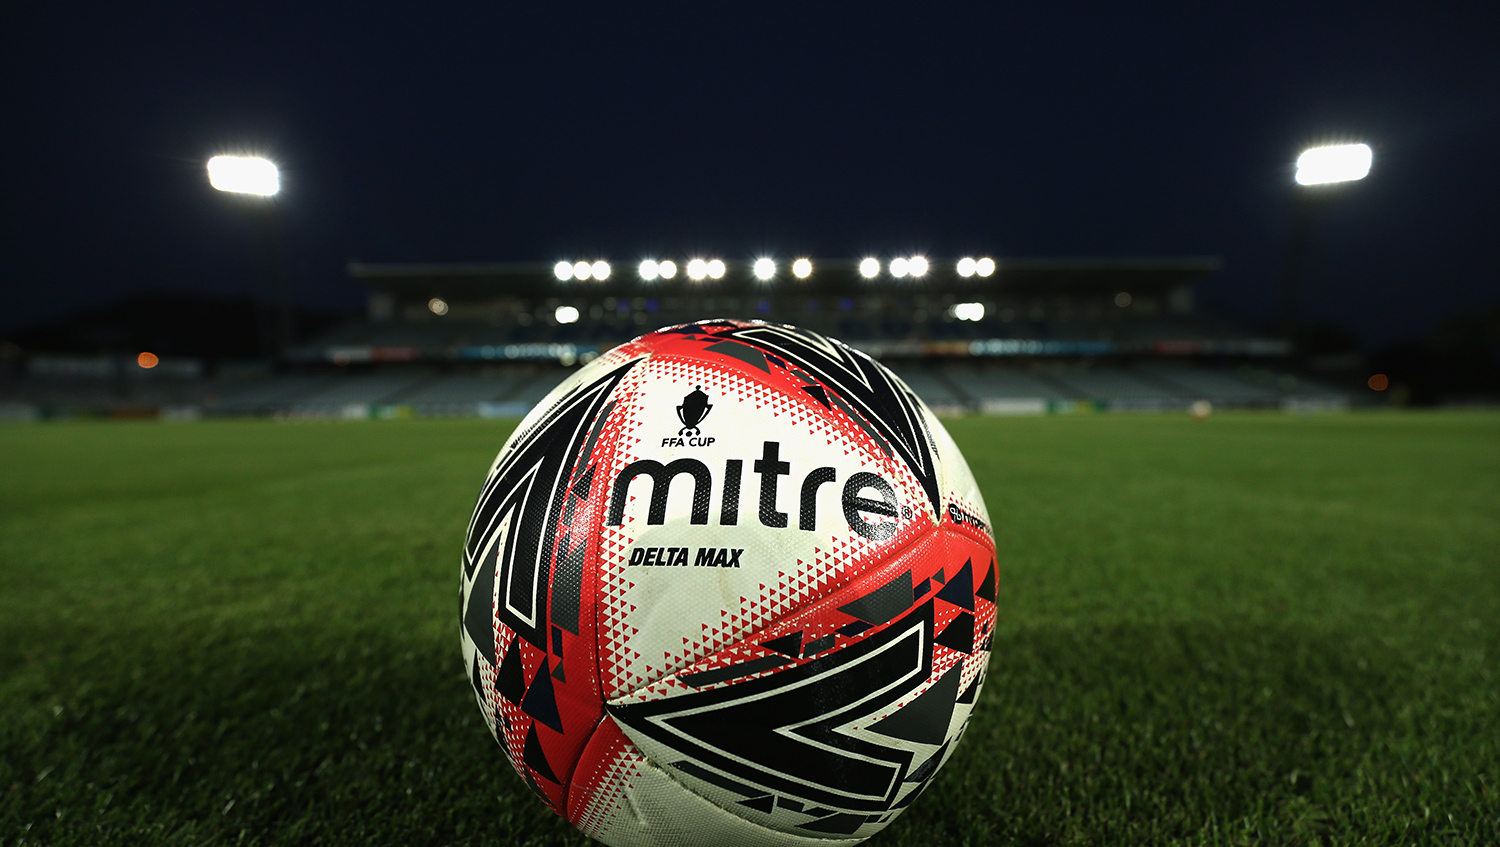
point(258, 181)
point(1322, 174)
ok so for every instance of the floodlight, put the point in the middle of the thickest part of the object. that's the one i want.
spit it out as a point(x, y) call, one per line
point(985, 266)
point(898, 268)
point(566, 314)
point(802, 268)
point(1337, 163)
point(667, 269)
point(601, 270)
point(869, 268)
point(968, 311)
point(764, 268)
point(966, 267)
point(916, 266)
point(563, 271)
point(243, 175)
point(583, 270)
point(716, 269)
point(438, 306)
point(697, 270)
point(649, 269)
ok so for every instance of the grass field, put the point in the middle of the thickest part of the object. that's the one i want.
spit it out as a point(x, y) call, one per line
point(1258, 629)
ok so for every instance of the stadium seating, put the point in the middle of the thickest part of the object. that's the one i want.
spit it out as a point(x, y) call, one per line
point(498, 352)
point(949, 385)
point(458, 389)
point(363, 388)
point(1220, 387)
point(984, 383)
point(270, 393)
point(931, 388)
point(1117, 388)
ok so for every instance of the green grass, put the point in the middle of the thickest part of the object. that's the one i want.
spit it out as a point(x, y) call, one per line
point(1258, 629)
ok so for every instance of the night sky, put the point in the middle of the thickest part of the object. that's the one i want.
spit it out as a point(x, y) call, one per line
point(503, 132)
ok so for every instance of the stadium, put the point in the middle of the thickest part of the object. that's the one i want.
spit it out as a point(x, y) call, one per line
point(1241, 628)
point(986, 336)
point(941, 424)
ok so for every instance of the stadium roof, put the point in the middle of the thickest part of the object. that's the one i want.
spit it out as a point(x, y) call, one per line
point(1016, 277)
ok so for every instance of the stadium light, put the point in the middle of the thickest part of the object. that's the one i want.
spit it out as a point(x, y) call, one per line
point(764, 269)
point(649, 269)
point(566, 314)
point(985, 266)
point(869, 268)
point(802, 268)
point(966, 267)
point(563, 271)
point(1335, 163)
point(601, 270)
point(697, 270)
point(716, 269)
point(244, 175)
point(1330, 164)
point(667, 269)
point(898, 268)
point(583, 270)
point(968, 311)
point(916, 266)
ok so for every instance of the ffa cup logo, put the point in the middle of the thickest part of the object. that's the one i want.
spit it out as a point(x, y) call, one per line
point(695, 407)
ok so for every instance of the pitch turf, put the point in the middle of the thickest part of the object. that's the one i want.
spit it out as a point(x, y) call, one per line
point(1257, 629)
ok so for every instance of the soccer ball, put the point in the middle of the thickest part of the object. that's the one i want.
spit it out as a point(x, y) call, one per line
point(729, 583)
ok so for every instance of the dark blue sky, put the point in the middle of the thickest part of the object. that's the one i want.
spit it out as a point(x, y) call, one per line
point(496, 132)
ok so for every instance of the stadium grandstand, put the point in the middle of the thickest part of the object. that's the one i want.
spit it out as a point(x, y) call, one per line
point(1022, 336)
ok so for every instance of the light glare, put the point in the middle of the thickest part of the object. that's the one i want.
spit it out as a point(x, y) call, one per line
point(968, 311)
point(582, 270)
point(916, 266)
point(869, 268)
point(898, 268)
point(1337, 163)
point(563, 271)
point(697, 270)
point(764, 269)
point(243, 175)
point(649, 269)
point(667, 269)
point(566, 314)
point(802, 268)
point(985, 266)
point(716, 269)
point(601, 270)
point(966, 267)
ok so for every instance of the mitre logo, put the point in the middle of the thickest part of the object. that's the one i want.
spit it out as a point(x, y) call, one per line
point(694, 408)
point(770, 467)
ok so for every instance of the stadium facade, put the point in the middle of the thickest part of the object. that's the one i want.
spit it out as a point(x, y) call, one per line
point(1023, 336)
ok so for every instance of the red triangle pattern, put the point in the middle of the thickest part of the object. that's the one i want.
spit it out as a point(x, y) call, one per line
point(610, 783)
point(512, 740)
point(487, 685)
